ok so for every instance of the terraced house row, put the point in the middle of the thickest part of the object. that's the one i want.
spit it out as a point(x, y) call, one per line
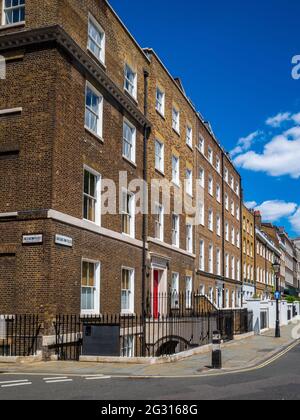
point(83, 104)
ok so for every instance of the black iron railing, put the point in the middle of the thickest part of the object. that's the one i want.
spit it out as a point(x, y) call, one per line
point(19, 335)
point(171, 323)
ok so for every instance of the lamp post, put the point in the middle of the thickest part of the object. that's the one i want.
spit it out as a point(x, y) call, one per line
point(276, 268)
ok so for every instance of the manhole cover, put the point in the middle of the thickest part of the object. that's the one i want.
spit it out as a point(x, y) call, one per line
point(264, 351)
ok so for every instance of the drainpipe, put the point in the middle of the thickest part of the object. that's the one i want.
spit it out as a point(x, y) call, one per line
point(145, 212)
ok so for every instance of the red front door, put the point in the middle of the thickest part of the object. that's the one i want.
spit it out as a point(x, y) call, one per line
point(155, 293)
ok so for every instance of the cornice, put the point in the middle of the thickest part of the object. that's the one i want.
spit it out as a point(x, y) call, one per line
point(56, 34)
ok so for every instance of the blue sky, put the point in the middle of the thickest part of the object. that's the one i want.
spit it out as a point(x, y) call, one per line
point(235, 60)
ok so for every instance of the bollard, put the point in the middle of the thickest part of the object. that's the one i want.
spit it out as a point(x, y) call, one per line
point(216, 352)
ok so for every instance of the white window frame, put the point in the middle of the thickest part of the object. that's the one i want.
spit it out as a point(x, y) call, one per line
point(210, 155)
point(133, 84)
point(202, 255)
point(218, 164)
point(175, 290)
point(99, 115)
point(176, 170)
point(227, 303)
point(189, 181)
point(96, 174)
point(160, 159)
point(232, 183)
point(189, 238)
point(96, 310)
point(160, 105)
point(227, 231)
point(232, 205)
point(189, 136)
point(211, 186)
point(218, 193)
point(211, 220)
point(4, 9)
point(218, 259)
point(176, 230)
point(233, 273)
point(233, 235)
point(176, 119)
point(132, 291)
point(227, 268)
point(131, 213)
point(98, 27)
point(202, 177)
point(132, 158)
point(238, 240)
point(159, 211)
point(226, 175)
point(201, 213)
point(211, 259)
point(218, 225)
point(201, 144)
point(127, 349)
point(188, 292)
point(226, 202)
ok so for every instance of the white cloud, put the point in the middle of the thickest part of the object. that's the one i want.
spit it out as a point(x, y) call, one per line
point(276, 210)
point(296, 118)
point(251, 204)
point(281, 156)
point(295, 221)
point(278, 119)
point(245, 143)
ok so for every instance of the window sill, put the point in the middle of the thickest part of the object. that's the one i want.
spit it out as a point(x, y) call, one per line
point(190, 147)
point(133, 98)
point(176, 131)
point(129, 161)
point(98, 225)
point(176, 184)
point(95, 135)
point(160, 114)
point(12, 25)
point(97, 59)
point(128, 313)
point(127, 235)
point(89, 313)
point(160, 172)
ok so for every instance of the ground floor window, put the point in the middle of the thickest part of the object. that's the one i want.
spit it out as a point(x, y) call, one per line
point(188, 292)
point(127, 291)
point(90, 287)
point(127, 349)
point(175, 291)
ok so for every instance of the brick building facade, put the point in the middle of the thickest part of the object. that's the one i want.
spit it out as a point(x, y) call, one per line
point(81, 103)
point(249, 254)
point(267, 252)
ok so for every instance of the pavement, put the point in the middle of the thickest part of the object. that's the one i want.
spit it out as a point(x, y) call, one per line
point(237, 355)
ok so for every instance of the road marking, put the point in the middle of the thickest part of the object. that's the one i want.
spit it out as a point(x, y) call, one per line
point(55, 378)
point(94, 378)
point(13, 385)
point(59, 381)
point(14, 382)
